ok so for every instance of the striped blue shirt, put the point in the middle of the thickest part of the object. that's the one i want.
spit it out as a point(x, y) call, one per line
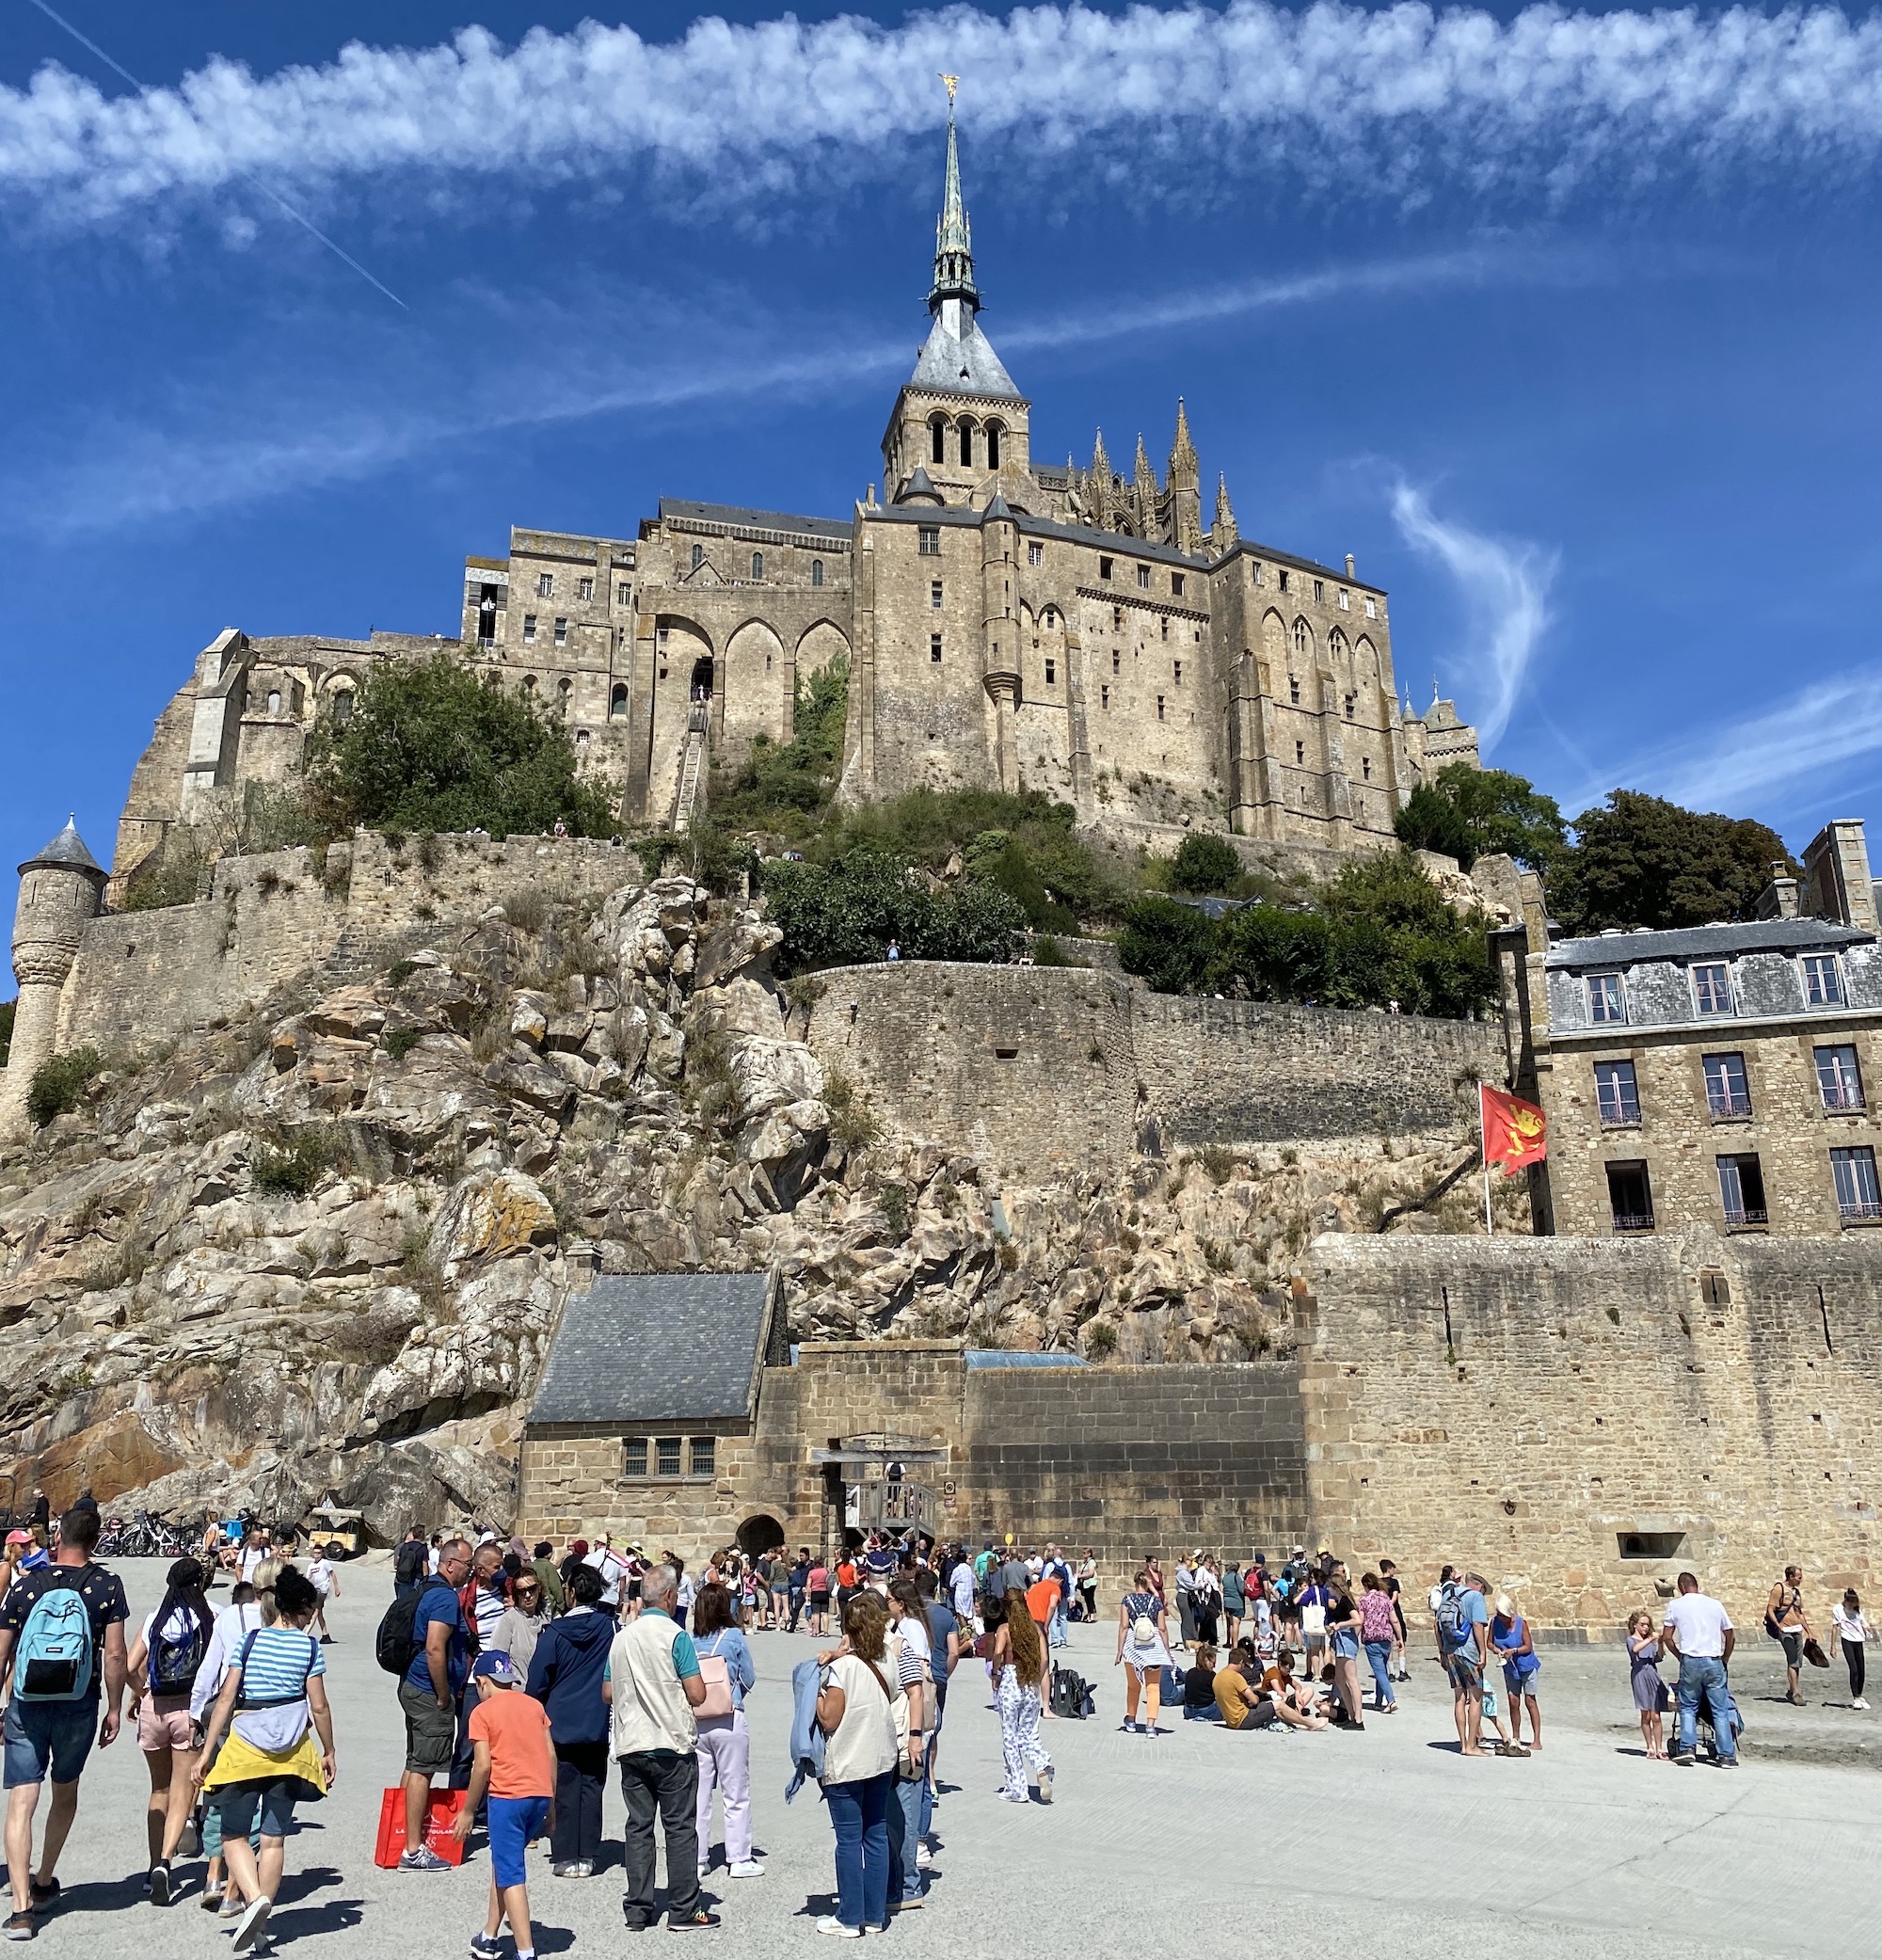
point(280, 1665)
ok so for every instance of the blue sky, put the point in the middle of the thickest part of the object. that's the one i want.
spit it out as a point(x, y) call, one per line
point(1562, 324)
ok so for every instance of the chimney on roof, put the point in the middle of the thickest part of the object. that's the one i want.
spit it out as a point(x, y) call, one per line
point(1350, 573)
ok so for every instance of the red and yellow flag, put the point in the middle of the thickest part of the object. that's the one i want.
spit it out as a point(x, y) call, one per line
point(1515, 1133)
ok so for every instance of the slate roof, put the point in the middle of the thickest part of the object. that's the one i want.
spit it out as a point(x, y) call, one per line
point(1761, 935)
point(654, 1348)
point(962, 365)
point(738, 517)
point(67, 849)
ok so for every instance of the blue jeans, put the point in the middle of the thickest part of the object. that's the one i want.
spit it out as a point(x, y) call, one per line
point(907, 1803)
point(1056, 1632)
point(859, 1816)
point(1704, 1676)
point(1379, 1652)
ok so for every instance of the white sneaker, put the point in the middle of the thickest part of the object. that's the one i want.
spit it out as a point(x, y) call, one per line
point(747, 1868)
point(1859, 1702)
point(924, 1858)
point(837, 1930)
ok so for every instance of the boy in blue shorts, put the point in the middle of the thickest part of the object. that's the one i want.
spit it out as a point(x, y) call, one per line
point(515, 1763)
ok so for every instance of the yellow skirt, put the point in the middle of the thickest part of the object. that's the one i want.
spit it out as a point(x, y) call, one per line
point(240, 1761)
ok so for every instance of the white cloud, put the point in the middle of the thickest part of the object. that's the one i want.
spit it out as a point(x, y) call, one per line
point(1363, 100)
point(1506, 589)
point(1769, 758)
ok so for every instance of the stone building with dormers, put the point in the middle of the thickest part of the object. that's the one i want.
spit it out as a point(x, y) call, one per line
point(1719, 1076)
point(1003, 623)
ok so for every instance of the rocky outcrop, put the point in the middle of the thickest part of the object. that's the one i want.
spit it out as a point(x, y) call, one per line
point(324, 1253)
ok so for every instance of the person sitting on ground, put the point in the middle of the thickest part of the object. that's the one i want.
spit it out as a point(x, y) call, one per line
point(1236, 1691)
point(1199, 1688)
point(1294, 1701)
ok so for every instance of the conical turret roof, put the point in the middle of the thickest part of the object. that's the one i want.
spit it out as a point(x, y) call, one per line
point(67, 849)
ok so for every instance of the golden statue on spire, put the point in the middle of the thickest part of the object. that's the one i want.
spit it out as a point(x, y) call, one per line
point(954, 82)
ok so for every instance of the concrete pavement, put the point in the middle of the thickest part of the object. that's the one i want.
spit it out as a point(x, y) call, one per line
point(1254, 1845)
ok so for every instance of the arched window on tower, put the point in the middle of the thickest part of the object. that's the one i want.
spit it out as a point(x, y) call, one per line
point(758, 565)
point(1300, 637)
point(994, 434)
point(938, 448)
point(529, 684)
point(564, 688)
point(817, 571)
point(618, 702)
point(966, 443)
point(699, 556)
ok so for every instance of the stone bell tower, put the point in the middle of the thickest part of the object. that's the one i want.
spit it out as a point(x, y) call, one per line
point(60, 889)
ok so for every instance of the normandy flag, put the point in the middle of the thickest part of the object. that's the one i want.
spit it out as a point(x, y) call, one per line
point(1515, 1133)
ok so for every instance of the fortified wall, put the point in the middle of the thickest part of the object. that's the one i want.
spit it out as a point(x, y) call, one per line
point(127, 979)
point(1070, 1068)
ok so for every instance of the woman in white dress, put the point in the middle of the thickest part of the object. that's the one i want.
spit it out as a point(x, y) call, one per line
point(1143, 1652)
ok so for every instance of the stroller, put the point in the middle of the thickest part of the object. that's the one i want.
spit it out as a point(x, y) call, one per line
point(1716, 1706)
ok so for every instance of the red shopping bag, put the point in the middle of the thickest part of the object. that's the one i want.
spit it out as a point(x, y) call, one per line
point(441, 1812)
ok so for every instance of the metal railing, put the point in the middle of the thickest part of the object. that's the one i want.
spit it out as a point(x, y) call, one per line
point(1634, 1221)
point(1839, 1096)
point(1746, 1215)
point(1723, 1103)
point(1859, 1208)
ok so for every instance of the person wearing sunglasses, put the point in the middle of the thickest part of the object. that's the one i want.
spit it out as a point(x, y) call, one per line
point(517, 1632)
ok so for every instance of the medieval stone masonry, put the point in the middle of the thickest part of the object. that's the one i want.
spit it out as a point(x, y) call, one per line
point(1004, 622)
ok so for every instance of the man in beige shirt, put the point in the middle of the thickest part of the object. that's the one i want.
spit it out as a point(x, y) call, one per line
point(653, 1685)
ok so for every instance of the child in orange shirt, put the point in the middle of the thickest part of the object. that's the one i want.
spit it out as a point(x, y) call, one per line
point(515, 1763)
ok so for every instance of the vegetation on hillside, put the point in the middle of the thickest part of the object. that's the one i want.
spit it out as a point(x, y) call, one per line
point(1468, 813)
point(847, 911)
point(1379, 932)
point(431, 746)
point(1640, 861)
point(6, 1010)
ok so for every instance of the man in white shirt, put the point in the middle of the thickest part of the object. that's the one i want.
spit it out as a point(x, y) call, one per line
point(613, 1569)
point(961, 1584)
point(1700, 1633)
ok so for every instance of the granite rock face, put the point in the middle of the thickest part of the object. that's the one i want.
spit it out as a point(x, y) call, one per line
point(323, 1253)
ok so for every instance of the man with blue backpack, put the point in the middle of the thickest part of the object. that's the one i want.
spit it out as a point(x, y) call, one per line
point(62, 1634)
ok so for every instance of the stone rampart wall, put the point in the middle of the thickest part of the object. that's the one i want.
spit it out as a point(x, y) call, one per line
point(143, 976)
point(1582, 1419)
point(1042, 1069)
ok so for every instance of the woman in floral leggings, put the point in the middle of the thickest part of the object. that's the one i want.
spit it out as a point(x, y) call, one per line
point(1018, 1668)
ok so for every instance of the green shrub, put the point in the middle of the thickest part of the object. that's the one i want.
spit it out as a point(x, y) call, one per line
point(293, 1168)
point(399, 971)
point(171, 875)
point(1205, 864)
point(784, 785)
point(6, 1012)
point(846, 912)
point(58, 1084)
point(402, 1040)
point(892, 1201)
point(432, 745)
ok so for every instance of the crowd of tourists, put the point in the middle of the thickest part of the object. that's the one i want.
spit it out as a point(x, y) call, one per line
point(523, 1673)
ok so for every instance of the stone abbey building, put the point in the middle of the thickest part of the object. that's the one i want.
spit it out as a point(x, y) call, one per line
point(1004, 622)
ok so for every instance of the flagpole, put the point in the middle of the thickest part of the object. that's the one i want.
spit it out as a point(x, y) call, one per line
point(1483, 1151)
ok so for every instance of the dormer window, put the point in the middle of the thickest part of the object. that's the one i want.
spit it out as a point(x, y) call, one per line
point(1711, 989)
point(1823, 983)
point(1606, 1002)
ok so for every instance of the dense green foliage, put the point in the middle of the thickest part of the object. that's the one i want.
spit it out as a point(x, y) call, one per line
point(785, 787)
point(432, 746)
point(1467, 813)
point(1640, 861)
point(58, 1084)
point(293, 1168)
point(1381, 932)
point(7, 1008)
point(1205, 864)
point(847, 911)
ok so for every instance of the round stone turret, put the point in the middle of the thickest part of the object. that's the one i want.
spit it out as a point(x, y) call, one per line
point(60, 888)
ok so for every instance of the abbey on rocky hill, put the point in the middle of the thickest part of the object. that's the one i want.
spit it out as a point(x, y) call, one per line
point(1006, 623)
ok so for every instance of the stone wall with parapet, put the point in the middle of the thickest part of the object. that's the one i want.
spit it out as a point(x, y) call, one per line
point(145, 976)
point(1039, 1070)
point(1582, 1419)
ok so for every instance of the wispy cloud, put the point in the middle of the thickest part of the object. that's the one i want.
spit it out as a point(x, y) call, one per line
point(1765, 758)
point(1506, 589)
point(1388, 100)
point(228, 444)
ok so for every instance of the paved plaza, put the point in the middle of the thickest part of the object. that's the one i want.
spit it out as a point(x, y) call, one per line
point(1263, 1843)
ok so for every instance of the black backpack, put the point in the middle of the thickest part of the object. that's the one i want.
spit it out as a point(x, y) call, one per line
point(413, 1562)
point(1072, 1695)
point(394, 1642)
point(175, 1662)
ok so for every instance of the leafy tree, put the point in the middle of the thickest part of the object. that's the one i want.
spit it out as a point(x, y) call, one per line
point(1206, 862)
point(7, 1008)
point(846, 912)
point(999, 858)
point(58, 1084)
point(1467, 813)
point(781, 784)
point(1381, 932)
point(1641, 861)
point(432, 746)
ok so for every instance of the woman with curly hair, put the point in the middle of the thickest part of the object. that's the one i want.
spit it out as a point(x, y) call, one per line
point(1018, 1668)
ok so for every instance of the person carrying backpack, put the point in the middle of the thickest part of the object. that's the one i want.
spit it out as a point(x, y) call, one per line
point(411, 1563)
point(425, 1640)
point(170, 1653)
point(62, 1634)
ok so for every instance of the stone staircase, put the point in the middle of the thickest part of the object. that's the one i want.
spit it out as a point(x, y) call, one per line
point(692, 769)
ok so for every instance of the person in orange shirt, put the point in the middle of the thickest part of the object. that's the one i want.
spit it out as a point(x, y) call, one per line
point(514, 1762)
point(1041, 1602)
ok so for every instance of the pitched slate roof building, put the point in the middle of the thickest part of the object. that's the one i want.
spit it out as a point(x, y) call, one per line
point(1003, 622)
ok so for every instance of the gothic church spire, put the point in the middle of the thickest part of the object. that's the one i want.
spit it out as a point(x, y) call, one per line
point(953, 235)
point(1223, 534)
